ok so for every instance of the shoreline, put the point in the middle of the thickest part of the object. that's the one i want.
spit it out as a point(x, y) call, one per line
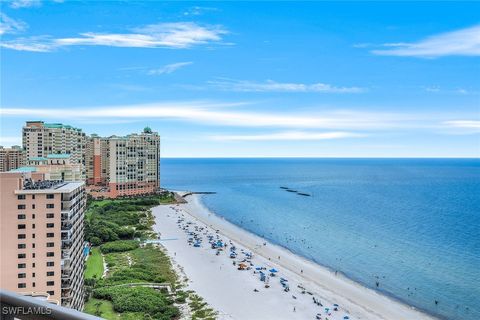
point(356, 301)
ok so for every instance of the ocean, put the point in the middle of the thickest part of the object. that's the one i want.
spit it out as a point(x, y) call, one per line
point(410, 226)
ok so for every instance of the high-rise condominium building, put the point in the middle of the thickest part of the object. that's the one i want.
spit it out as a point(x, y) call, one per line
point(124, 166)
point(42, 236)
point(41, 139)
point(11, 158)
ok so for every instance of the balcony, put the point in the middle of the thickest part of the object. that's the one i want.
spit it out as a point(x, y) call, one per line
point(66, 225)
point(16, 306)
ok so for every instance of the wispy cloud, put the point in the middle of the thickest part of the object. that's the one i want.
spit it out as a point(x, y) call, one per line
point(169, 68)
point(17, 4)
point(273, 86)
point(289, 136)
point(9, 25)
point(197, 11)
point(458, 91)
point(176, 35)
point(464, 42)
point(212, 113)
point(464, 124)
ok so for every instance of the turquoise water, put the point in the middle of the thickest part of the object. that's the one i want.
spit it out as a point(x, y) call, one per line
point(413, 226)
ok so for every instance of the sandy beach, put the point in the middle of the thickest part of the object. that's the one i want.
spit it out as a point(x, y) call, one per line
point(308, 291)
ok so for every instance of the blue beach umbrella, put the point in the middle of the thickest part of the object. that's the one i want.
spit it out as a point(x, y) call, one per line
point(273, 270)
point(346, 317)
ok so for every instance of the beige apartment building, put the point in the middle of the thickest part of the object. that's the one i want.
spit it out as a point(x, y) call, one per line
point(41, 224)
point(124, 166)
point(11, 158)
point(41, 139)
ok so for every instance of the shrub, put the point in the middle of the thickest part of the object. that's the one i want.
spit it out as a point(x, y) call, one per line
point(95, 241)
point(119, 246)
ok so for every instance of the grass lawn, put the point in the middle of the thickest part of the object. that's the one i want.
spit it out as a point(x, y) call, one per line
point(94, 264)
point(105, 309)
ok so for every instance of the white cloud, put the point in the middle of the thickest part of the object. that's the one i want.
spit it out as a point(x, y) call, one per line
point(169, 68)
point(273, 86)
point(463, 42)
point(463, 124)
point(9, 25)
point(216, 114)
point(289, 136)
point(16, 4)
point(197, 11)
point(178, 35)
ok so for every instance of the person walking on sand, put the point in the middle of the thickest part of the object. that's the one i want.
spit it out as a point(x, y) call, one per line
point(294, 309)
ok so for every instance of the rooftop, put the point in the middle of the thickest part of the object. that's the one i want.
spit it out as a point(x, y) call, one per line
point(24, 169)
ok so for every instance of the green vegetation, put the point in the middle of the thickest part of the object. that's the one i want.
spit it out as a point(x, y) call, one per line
point(144, 300)
point(94, 263)
point(119, 246)
point(124, 293)
point(101, 308)
point(122, 219)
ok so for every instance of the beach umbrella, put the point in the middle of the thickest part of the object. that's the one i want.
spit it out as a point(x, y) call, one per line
point(273, 270)
point(335, 305)
point(258, 268)
point(346, 317)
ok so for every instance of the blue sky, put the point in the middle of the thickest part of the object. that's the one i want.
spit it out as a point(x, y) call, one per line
point(238, 79)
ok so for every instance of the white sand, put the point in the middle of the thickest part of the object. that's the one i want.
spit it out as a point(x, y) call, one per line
point(230, 291)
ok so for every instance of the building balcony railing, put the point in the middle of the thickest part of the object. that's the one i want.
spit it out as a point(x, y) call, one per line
point(66, 225)
point(17, 306)
point(66, 244)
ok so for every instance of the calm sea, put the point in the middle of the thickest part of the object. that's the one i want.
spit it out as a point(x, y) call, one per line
point(412, 225)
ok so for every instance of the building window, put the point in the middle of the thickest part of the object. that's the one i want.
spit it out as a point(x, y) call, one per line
point(50, 196)
point(22, 256)
point(33, 226)
point(50, 235)
point(50, 215)
point(33, 284)
point(22, 246)
point(22, 285)
point(21, 226)
point(50, 264)
point(21, 216)
point(33, 196)
point(33, 216)
point(50, 244)
point(33, 206)
point(50, 283)
point(22, 275)
point(50, 206)
point(50, 254)
point(21, 207)
point(22, 236)
point(33, 235)
point(22, 265)
point(21, 197)
point(50, 273)
point(52, 293)
point(50, 225)
point(33, 265)
point(33, 245)
point(33, 255)
point(33, 275)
